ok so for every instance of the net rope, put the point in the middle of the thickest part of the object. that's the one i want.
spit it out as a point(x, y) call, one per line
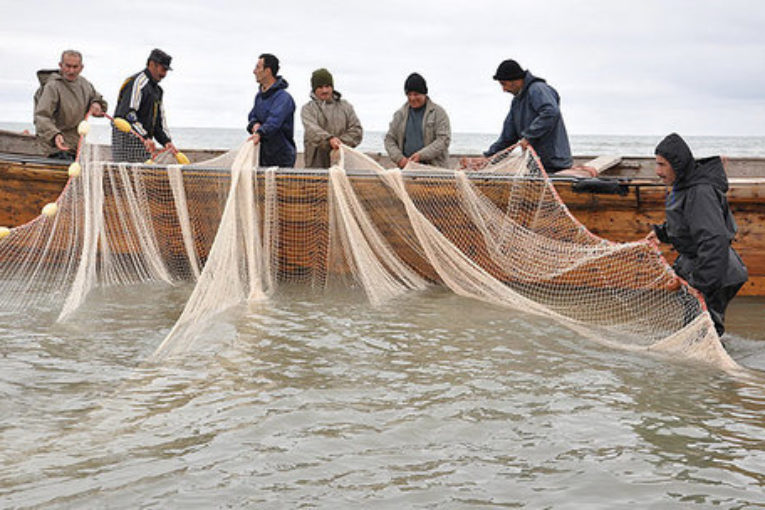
point(500, 235)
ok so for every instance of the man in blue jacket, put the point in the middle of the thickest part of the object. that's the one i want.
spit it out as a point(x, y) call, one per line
point(534, 118)
point(271, 118)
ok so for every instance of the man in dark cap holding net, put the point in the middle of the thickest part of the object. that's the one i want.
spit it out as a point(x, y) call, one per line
point(140, 103)
point(534, 118)
point(420, 131)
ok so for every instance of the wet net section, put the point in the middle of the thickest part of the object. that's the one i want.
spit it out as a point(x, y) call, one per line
point(500, 235)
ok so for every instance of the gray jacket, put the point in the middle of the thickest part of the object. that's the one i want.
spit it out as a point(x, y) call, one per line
point(61, 106)
point(437, 134)
point(323, 120)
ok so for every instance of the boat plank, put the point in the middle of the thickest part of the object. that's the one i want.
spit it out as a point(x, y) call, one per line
point(27, 185)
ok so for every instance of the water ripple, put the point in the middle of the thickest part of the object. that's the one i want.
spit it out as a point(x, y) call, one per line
point(317, 401)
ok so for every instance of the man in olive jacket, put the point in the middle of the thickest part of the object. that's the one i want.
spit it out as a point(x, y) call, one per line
point(328, 121)
point(420, 130)
point(61, 103)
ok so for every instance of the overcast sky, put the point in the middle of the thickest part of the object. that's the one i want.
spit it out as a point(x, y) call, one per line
point(621, 67)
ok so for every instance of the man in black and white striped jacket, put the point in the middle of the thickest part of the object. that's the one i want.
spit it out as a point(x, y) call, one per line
point(140, 103)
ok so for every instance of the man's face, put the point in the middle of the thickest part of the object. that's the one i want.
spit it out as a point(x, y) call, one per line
point(512, 86)
point(157, 71)
point(70, 67)
point(415, 99)
point(261, 72)
point(664, 170)
point(324, 92)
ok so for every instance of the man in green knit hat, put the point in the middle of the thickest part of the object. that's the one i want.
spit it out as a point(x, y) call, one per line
point(328, 121)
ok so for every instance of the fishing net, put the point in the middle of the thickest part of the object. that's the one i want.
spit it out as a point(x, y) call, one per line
point(499, 235)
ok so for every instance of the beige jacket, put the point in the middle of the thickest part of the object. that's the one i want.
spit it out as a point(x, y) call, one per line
point(60, 108)
point(437, 134)
point(321, 121)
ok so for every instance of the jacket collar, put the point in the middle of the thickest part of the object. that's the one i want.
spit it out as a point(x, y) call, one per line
point(335, 97)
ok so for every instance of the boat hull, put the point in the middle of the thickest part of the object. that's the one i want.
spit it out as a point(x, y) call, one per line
point(29, 183)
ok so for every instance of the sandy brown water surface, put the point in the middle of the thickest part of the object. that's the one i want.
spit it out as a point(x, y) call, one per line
point(322, 401)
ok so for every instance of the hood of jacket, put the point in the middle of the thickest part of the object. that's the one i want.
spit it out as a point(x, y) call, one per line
point(43, 75)
point(528, 79)
point(279, 84)
point(689, 171)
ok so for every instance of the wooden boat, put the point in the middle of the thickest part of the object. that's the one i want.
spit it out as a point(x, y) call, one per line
point(620, 206)
point(22, 143)
point(628, 216)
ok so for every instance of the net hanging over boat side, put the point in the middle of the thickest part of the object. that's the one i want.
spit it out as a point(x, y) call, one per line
point(500, 235)
point(515, 244)
point(114, 224)
point(238, 268)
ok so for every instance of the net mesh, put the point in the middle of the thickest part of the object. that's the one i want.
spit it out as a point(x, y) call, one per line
point(500, 234)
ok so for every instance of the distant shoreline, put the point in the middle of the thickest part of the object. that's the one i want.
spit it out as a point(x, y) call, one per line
point(462, 143)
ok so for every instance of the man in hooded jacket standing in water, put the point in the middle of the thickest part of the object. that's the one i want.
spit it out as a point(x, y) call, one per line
point(699, 225)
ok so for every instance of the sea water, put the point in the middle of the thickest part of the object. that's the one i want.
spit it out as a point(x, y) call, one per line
point(461, 143)
point(315, 400)
point(320, 400)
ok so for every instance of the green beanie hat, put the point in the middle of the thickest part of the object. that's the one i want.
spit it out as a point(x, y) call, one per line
point(321, 77)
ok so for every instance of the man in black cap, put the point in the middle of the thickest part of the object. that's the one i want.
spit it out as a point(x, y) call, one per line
point(140, 103)
point(534, 118)
point(420, 131)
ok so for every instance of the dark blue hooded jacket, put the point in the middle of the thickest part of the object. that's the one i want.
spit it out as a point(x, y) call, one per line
point(535, 115)
point(274, 109)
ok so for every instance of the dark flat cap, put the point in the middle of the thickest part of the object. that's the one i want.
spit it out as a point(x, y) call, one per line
point(160, 57)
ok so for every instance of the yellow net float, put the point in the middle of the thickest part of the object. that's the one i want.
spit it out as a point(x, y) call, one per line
point(74, 169)
point(4, 232)
point(50, 209)
point(83, 128)
point(122, 125)
point(182, 158)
